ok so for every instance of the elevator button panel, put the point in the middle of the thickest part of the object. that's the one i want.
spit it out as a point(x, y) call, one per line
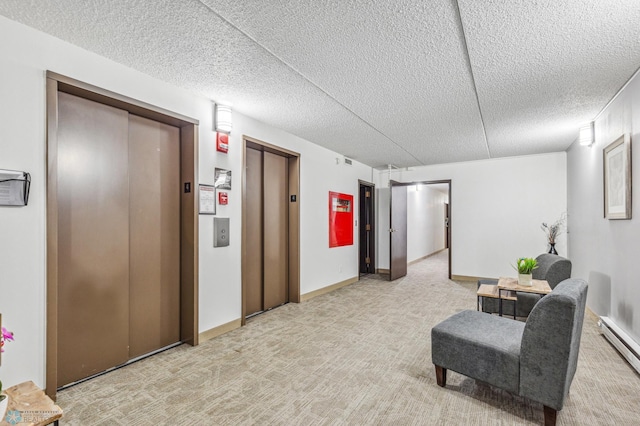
point(220, 231)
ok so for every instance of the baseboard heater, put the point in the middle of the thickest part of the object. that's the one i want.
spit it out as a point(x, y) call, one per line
point(622, 342)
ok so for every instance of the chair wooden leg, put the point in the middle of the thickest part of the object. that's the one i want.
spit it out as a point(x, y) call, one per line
point(441, 376)
point(550, 416)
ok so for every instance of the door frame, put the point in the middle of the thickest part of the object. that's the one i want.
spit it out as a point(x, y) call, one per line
point(372, 242)
point(188, 207)
point(294, 217)
point(430, 182)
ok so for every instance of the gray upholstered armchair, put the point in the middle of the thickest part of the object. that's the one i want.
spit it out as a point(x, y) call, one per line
point(536, 359)
point(551, 267)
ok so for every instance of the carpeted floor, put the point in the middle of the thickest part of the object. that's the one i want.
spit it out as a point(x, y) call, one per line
point(358, 356)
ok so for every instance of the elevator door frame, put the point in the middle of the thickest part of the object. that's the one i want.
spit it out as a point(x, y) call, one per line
point(188, 207)
point(294, 216)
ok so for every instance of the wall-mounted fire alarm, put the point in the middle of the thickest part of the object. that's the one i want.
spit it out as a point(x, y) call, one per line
point(222, 142)
point(223, 198)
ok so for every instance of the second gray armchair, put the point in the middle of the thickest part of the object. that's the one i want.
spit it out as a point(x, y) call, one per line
point(551, 267)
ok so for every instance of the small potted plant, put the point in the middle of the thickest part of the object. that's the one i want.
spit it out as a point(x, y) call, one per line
point(525, 267)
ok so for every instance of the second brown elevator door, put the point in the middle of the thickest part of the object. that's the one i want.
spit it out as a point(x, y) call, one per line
point(266, 280)
point(154, 235)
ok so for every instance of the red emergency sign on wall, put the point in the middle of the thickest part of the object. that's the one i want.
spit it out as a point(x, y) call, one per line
point(222, 142)
point(223, 198)
point(340, 219)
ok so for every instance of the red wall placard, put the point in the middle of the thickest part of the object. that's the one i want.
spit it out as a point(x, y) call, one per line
point(340, 219)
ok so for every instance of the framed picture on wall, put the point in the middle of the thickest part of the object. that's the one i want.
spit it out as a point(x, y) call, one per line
point(617, 178)
point(207, 199)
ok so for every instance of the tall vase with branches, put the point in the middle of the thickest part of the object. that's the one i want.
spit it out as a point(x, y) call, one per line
point(553, 231)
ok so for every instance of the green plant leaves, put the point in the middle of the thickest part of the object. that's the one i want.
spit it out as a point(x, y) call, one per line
point(525, 265)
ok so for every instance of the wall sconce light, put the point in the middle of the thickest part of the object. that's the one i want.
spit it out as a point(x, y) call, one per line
point(587, 135)
point(223, 122)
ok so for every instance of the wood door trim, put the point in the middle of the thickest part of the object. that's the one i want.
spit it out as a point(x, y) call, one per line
point(189, 213)
point(266, 146)
point(294, 217)
point(107, 97)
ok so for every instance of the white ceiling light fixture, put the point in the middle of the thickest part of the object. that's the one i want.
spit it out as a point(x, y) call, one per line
point(587, 135)
point(223, 121)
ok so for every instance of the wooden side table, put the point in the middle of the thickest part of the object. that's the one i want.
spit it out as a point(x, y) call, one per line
point(491, 291)
point(540, 287)
point(29, 406)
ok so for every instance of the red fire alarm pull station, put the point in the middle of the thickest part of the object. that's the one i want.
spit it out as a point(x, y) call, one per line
point(340, 219)
point(223, 198)
point(222, 142)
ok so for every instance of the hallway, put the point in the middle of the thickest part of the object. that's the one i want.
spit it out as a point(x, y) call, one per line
point(358, 355)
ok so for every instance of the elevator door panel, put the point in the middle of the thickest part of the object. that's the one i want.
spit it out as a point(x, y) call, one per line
point(276, 212)
point(254, 252)
point(93, 238)
point(154, 288)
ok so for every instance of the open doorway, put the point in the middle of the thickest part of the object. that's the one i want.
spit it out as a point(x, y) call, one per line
point(404, 207)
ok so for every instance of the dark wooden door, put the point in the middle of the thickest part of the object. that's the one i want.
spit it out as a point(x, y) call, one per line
point(446, 225)
point(398, 232)
point(366, 228)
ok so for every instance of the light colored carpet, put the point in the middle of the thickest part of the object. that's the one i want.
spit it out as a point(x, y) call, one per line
point(360, 355)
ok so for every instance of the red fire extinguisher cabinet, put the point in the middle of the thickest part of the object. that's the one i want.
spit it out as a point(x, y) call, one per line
point(340, 219)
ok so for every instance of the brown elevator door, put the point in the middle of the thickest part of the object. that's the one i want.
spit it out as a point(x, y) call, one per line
point(93, 238)
point(118, 237)
point(253, 274)
point(276, 220)
point(154, 286)
point(266, 280)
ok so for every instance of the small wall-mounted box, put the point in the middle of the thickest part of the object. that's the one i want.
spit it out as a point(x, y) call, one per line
point(14, 188)
point(220, 231)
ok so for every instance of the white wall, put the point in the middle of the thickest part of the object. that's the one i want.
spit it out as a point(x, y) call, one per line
point(605, 252)
point(496, 209)
point(23, 62)
point(425, 221)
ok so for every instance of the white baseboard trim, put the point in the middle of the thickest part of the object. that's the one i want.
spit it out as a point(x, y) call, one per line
point(629, 349)
point(219, 330)
point(328, 289)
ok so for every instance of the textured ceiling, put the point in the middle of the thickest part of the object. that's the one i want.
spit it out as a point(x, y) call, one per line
point(379, 81)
